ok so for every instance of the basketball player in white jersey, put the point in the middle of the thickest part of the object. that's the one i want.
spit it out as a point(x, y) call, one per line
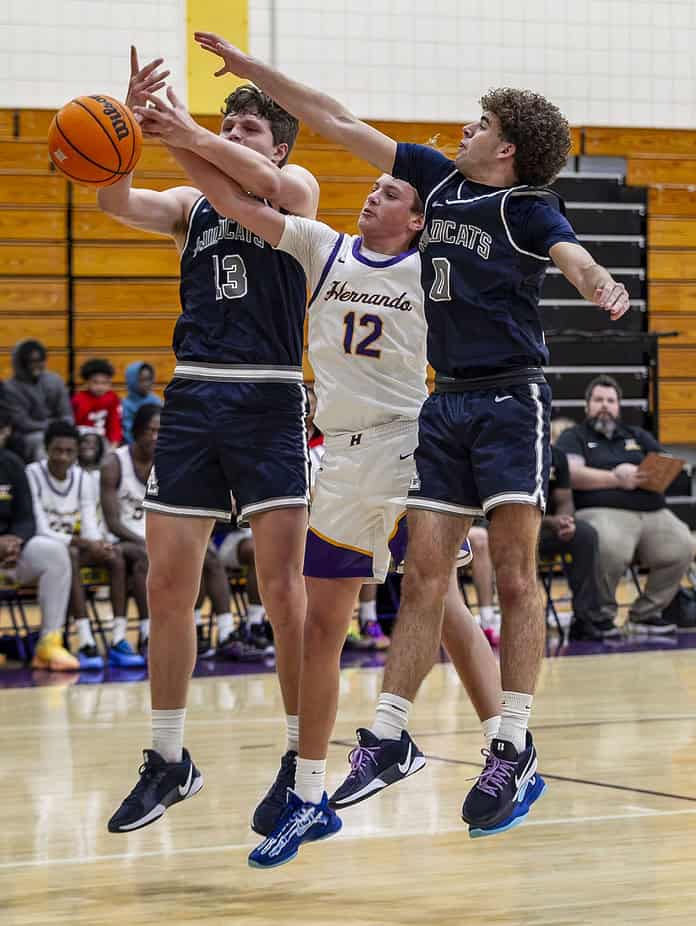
point(65, 510)
point(367, 336)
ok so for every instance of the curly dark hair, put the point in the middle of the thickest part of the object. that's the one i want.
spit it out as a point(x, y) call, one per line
point(96, 366)
point(249, 99)
point(536, 127)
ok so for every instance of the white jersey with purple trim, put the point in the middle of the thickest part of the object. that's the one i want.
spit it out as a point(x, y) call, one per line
point(367, 329)
point(131, 495)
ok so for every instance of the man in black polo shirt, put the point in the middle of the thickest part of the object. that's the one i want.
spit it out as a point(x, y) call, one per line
point(560, 535)
point(632, 522)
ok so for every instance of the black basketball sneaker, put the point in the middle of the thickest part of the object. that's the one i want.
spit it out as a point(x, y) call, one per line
point(374, 765)
point(161, 785)
point(274, 802)
point(502, 786)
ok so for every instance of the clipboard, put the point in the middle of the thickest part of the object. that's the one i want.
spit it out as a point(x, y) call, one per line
point(661, 471)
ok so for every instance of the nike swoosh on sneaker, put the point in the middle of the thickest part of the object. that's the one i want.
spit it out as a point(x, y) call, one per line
point(501, 398)
point(183, 791)
point(404, 767)
point(405, 456)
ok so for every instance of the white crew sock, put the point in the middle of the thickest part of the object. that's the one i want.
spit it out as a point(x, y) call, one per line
point(120, 628)
point(367, 612)
point(391, 716)
point(168, 733)
point(145, 629)
point(490, 729)
point(293, 722)
point(310, 779)
point(198, 616)
point(84, 633)
point(256, 614)
point(225, 626)
point(514, 719)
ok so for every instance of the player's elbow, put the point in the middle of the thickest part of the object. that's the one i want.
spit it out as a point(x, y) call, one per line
point(267, 183)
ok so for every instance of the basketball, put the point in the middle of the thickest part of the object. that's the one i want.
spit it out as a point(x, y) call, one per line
point(94, 140)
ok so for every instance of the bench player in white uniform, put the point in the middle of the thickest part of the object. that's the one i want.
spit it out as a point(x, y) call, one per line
point(367, 335)
point(65, 509)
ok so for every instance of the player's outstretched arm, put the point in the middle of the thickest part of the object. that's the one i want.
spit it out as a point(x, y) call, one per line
point(291, 187)
point(165, 212)
point(319, 111)
point(592, 281)
point(230, 200)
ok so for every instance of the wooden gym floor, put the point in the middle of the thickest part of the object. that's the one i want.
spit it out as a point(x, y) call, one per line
point(613, 841)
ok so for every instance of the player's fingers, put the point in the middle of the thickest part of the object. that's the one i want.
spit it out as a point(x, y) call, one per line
point(173, 98)
point(157, 102)
point(134, 66)
point(616, 294)
point(598, 296)
point(155, 78)
point(221, 72)
point(149, 68)
point(211, 38)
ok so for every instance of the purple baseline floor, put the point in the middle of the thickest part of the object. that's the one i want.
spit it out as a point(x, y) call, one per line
point(18, 676)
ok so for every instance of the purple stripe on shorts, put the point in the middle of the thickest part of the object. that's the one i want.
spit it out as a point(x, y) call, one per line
point(399, 542)
point(323, 560)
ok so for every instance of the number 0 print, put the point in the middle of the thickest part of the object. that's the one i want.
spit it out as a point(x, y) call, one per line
point(440, 290)
point(231, 278)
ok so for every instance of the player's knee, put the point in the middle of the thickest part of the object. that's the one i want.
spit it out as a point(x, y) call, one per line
point(322, 633)
point(423, 584)
point(515, 585)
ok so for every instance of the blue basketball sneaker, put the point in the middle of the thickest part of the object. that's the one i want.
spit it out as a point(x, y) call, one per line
point(124, 656)
point(274, 801)
point(161, 784)
point(89, 657)
point(300, 822)
point(530, 793)
point(497, 799)
point(374, 765)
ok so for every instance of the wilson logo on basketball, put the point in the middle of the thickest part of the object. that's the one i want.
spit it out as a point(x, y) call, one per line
point(115, 117)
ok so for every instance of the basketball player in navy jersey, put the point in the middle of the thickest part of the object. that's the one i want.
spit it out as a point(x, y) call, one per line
point(484, 434)
point(232, 422)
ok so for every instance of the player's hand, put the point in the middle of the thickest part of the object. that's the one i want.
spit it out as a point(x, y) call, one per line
point(169, 121)
point(628, 476)
point(566, 527)
point(143, 80)
point(613, 298)
point(236, 61)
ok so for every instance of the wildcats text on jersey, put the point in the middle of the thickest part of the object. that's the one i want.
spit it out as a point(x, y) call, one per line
point(226, 228)
point(447, 231)
point(341, 292)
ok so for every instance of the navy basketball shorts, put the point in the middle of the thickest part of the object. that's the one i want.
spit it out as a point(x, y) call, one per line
point(480, 449)
point(219, 441)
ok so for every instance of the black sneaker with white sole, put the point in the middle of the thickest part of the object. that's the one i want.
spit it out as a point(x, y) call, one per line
point(501, 785)
point(374, 765)
point(651, 625)
point(161, 784)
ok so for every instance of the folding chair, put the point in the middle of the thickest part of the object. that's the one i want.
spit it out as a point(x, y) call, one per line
point(548, 569)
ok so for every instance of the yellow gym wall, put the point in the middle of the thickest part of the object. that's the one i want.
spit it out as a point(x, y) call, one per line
point(227, 18)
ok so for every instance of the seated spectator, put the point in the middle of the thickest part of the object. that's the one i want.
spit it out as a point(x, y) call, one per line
point(234, 643)
point(26, 558)
point(631, 522)
point(237, 550)
point(90, 454)
point(561, 534)
point(139, 379)
point(124, 475)
point(35, 397)
point(65, 511)
point(97, 406)
point(484, 583)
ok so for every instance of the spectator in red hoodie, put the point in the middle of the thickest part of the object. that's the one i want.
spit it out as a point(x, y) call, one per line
point(97, 406)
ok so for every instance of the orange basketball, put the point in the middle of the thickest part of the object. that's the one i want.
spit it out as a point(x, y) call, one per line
point(94, 140)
